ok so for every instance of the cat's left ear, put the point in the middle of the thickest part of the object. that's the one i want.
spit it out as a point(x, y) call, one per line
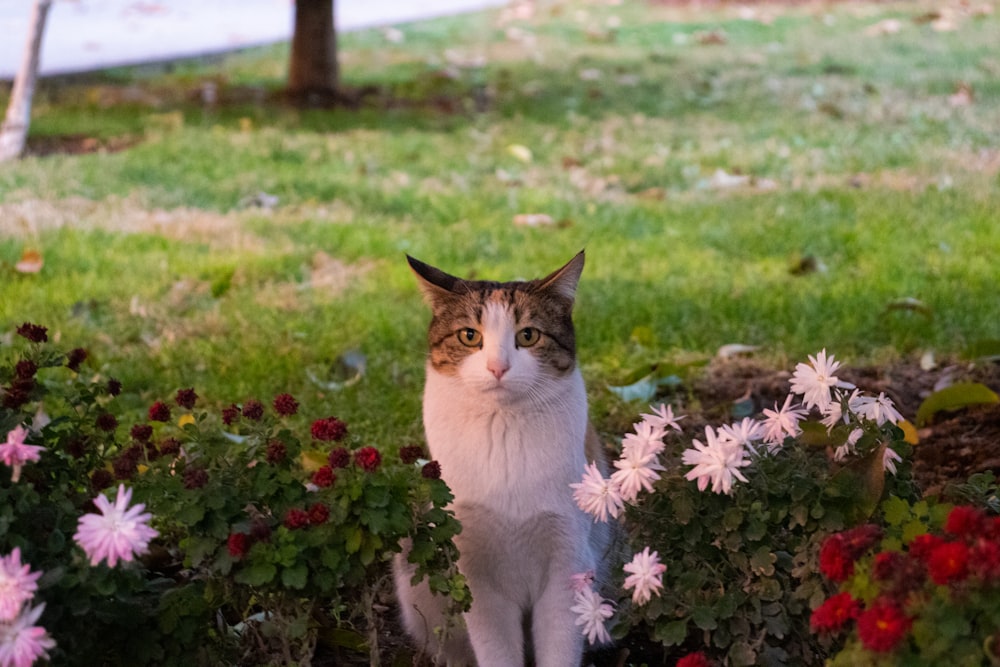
point(564, 281)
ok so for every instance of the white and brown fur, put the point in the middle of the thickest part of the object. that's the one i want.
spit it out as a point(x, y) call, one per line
point(508, 423)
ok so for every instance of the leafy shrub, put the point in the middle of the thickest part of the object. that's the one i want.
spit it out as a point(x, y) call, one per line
point(737, 518)
point(268, 537)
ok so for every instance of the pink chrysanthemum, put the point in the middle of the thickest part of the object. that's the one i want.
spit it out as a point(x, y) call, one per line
point(119, 532)
point(597, 495)
point(17, 585)
point(22, 642)
point(15, 453)
point(592, 612)
point(645, 576)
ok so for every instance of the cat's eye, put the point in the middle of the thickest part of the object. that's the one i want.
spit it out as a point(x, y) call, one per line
point(527, 337)
point(469, 337)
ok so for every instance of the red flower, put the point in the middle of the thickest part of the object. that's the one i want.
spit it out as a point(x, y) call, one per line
point(694, 660)
point(26, 369)
point(253, 409)
point(195, 478)
point(186, 398)
point(296, 518)
point(318, 513)
point(238, 543)
point(984, 560)
point(431, 470)
point(33, 332)
point(886, 564)
point(834, 562)
point(285, 405)
point(965, 521)
point(921, 546)
point(339, 458)
point(276, 452)
point(324, 477)
point(330, 429)
point(948, 562)
point(411, 453)
point(230, 414)
point(832, 615)
point(141, 432)
point(114, 386)
point(107, 422)
point(159, 412)
point(75, 358)
point(368, 458)
point(100, 480)
point(170, 447)
point(882, 626)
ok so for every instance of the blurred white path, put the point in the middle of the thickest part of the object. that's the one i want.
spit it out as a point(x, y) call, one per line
point(84, 35)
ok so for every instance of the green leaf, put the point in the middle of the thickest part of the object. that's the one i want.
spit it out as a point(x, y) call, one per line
point(257, 574)
point(295, 577)
point(763, 561)
point(672, 633)
point(955, 397)
point(896, 511)
point(704, 618)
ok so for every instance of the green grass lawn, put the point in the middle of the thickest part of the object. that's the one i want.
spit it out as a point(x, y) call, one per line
point(698, 176)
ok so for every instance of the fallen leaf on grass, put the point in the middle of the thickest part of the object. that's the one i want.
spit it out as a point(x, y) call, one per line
point(962, 97)
point(884, 27)
point(911, 304)
point(533, 220)
point(31, 262)
point(522, 153)
point(711, 37)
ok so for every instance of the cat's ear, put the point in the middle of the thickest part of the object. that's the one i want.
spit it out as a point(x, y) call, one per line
point(434, 283)
point(564, 281)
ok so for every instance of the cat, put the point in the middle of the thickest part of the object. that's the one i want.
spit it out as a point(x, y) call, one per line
point(505, 415)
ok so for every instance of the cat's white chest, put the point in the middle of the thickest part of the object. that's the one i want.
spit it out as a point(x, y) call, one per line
point(517, 458)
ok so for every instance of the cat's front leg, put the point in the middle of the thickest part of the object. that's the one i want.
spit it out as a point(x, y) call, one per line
point(557, 639)
point(495, 626)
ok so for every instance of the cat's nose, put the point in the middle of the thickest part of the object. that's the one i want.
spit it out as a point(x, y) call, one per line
point(497, 367)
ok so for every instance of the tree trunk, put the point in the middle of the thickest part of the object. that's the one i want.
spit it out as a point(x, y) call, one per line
point(14, 131)
point(313, 74)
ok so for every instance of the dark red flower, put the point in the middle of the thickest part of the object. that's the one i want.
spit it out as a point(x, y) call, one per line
point(260, 530)
point(114, 387)
point(230, 414)
point(141, 432)
point(107, 422)
point(329, 429)
point(186, 398)
point(26, 369)
point(834, 561)
point(276, 452)
point(77, 447)
point(965, 521)
point(296, 518)
point(886, 564)
point(75, 358)
point(17, 395)
point(411, 453)
point(324, 477)
point(835, 613)
point(101, 479)
point(339, 458)
point(431, 470)
point(125, 466)
point(860, 539)
point(984, 560)
point(882, 626)
point(318, 514)
point(368, 459)
point(195, 478)
point(694, 660)
point(285, 405)
point(33, 332)
point(921, 546)
point(238, 544)
point(253, 409)
point(159, 412)
point(948, 562)
point(170, 447)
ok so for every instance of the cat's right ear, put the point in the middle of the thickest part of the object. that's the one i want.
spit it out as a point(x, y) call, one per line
point(434, 283)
